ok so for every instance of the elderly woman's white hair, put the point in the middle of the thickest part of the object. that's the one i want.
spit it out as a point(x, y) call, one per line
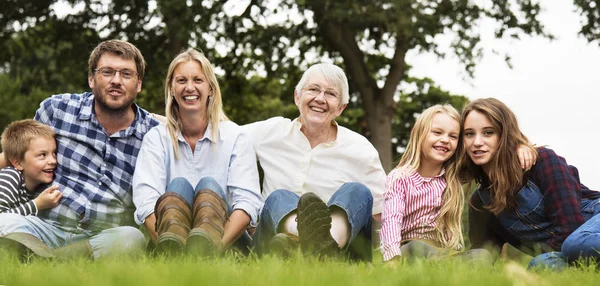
point(332, 74)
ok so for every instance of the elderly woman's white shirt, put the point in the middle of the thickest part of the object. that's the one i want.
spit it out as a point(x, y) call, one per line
point(290, 163)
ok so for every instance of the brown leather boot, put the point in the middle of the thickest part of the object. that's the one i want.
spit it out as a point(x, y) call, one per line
point(210, 215)
point(173, 222)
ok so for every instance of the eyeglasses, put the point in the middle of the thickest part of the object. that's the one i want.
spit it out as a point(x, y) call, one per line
point(314, 90)
point(110, 72)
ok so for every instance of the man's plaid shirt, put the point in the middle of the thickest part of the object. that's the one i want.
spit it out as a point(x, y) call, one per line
point(94, 169)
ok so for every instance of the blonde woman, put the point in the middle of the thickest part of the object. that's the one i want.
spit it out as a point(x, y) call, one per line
point(195, 185)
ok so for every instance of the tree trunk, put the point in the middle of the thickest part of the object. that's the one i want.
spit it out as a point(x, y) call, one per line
point(378, 103)
point(176, 15)
point(379, 121)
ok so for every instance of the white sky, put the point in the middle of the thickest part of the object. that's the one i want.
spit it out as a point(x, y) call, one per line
point(551, 87)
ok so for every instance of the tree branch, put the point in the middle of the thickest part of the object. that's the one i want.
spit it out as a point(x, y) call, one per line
point(340, 38)
point(396, 71)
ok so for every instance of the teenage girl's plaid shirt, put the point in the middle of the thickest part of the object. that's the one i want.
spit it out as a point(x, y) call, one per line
point(562, 191)
point(94, 169)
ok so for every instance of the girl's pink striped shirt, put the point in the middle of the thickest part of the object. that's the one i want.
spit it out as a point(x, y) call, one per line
point(411, 206)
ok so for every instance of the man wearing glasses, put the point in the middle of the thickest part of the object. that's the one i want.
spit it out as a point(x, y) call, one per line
point(98, 135)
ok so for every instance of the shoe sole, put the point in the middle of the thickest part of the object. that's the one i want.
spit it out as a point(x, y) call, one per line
point(168, 243)
point(198, 243)
point(314, 226)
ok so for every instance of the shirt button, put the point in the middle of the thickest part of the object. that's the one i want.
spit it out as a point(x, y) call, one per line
point(100, 183)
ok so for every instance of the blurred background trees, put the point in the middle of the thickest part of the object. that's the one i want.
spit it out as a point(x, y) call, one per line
point(260, 49)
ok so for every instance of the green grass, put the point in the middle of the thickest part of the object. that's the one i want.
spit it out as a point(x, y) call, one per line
point(230, 270)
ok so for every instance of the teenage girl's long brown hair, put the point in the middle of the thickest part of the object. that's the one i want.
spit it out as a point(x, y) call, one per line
point(505, 175)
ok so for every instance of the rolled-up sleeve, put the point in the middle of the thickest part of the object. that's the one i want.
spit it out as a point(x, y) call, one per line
point(243, 182)
point(150, 176)
point(392, 217)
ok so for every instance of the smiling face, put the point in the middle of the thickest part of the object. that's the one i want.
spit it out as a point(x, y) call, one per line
point(319, 102)
point(481, 139)
point(441, 141)
point(38, 163)
point(114, 93)
point(190, 88)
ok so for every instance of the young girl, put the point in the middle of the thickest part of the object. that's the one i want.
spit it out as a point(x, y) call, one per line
point(423, 198)
point(545, 209)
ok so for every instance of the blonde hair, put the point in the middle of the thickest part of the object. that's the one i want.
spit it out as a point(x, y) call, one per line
point(18, 134)
point(506, 175)
point(215, 112)
point(448, 223)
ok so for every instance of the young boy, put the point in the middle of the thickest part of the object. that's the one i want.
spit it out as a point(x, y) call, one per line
point(30, 148)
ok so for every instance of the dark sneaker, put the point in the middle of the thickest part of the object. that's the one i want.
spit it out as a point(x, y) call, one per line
point(283, 244)
point(314, 226)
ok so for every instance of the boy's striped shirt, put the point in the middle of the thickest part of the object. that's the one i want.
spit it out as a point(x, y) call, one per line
point(14, 197)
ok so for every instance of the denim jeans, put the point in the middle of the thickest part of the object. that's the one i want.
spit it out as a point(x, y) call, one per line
point(583, 243)
point(182, 187)
point(354, 198)
point(529, 225)
point(118, 240)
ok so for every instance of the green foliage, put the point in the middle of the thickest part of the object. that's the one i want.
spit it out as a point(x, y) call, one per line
point(254, 99)
point(590, 10)
point(261, 52)
point(424, 94)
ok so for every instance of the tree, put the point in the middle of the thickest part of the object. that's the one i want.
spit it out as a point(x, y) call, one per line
point(372, 39)
point(590, 10)
point(262, 50)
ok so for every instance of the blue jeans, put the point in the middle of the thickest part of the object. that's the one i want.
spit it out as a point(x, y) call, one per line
point(583, 243)
point(120, 240)
point(354, 198)
point(182, 187)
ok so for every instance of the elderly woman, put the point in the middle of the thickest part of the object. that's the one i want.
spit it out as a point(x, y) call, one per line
point(195, 185)
point(312, 160)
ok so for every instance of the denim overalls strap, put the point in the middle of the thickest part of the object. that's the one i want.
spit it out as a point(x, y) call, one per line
point(528, 220)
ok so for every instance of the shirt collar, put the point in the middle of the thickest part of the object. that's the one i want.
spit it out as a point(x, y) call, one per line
point(85, 113)
point(418, 179)
point(207, 134)
point(296, 125)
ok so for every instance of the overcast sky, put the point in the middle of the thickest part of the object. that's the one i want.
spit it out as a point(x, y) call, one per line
point(552, 87)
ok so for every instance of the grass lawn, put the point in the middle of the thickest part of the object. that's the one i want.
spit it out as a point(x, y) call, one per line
point(269, 270)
